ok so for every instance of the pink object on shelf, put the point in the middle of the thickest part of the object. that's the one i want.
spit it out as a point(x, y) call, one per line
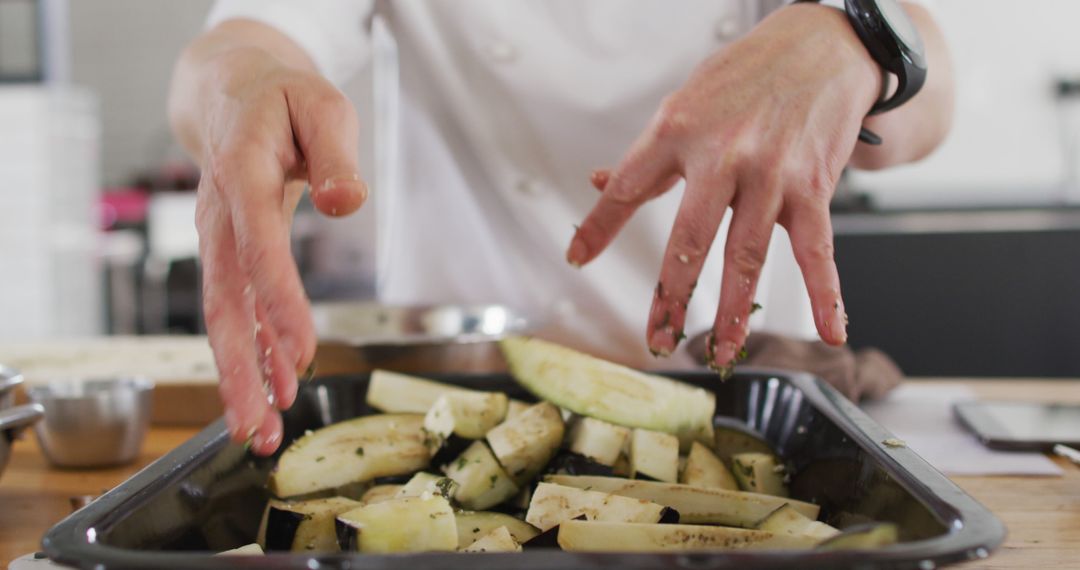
point(123, 205)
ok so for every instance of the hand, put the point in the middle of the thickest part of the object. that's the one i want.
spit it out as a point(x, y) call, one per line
point(764, 127)
point(267, 128)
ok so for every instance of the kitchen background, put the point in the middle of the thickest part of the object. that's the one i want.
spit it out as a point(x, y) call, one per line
point(965, 264)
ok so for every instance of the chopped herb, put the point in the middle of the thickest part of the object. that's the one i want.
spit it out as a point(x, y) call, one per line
point(319, 458)
point(431, 516)
point(476, 530)
point(755, 308)
point(461, 462)
point(360, 451)
point(494, 479)
point(445, 486)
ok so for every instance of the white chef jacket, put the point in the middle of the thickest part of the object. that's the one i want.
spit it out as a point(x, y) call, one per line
point(500, 110)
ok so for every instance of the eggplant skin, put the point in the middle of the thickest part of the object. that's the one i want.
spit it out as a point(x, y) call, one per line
point(281, 527)
point(570, 463)
point(347, 536)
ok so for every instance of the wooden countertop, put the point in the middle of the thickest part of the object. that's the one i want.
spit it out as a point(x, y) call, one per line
point(1042, 513)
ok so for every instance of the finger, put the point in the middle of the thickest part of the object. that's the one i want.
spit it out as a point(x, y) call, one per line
point(253, 182)
point(278, 374)
point(755, 213)
point(268, 437)
point(328, 133)
point(700, 213)
point(229, 321)
point(640, 177)
point(599, 178)
point(810, 230)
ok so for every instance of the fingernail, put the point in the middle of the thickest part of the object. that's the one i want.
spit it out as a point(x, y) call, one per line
point(578, 252)
point(257, 441)
point(274, 439)
point(331, 183)
point(725, 352)
point(662, 341)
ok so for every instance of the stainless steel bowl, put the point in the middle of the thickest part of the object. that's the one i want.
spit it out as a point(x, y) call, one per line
point(443, 338)
point(93, 422)
point(13, 420)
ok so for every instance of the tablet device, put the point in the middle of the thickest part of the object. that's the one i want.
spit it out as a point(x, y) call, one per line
point(1021, 425)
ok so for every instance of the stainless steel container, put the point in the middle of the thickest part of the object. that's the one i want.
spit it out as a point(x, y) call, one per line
point(439, 338)
point(93, 422)
point(13, 420)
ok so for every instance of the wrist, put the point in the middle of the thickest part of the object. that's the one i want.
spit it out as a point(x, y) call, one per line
point(864, 78)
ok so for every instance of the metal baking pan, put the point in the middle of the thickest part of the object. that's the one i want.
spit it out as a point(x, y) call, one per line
point(208, 494)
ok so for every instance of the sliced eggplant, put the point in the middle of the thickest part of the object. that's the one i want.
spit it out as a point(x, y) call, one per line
point(525, 443)
point(482, 482)
point(472, 525)
point(466, 414)
point(654, 455)
point(414, 524)
point(759, 473)
point(788, 519)
point(515, 407)
point(554, 504)
point(597, 440)
point(569, 463)
point(252, 549)
point(303, 526)
point(734, 437)
point(704, 469)
point(702, 505)
point(863, 537)
point(352, 451)
point(427, 483)
point(498, 540)
point(603, 390)
point(393, 392)
point(628, 537)
point(380, 493)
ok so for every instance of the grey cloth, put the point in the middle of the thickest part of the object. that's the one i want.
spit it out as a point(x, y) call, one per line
point(867, 373)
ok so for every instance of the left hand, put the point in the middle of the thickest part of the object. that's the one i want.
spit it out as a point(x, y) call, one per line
point(765, 127)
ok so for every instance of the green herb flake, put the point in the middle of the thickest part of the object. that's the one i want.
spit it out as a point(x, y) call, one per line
point(360, 451)
point(462, 462)
point(494, 479)
point(319, 458)
point(755, 308)
point(476, 530)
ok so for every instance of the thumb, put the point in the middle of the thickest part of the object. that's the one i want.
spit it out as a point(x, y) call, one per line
point(327, 131)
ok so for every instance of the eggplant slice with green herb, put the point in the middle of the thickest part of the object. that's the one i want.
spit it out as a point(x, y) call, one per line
point(698, 505)
point(596, 388)
point(414, 524)
point(355, 450)
point(303, 526)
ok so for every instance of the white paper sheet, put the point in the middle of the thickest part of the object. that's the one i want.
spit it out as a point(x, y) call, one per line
point(922, 416)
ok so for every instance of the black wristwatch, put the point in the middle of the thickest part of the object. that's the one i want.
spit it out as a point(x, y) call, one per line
point(894, 42)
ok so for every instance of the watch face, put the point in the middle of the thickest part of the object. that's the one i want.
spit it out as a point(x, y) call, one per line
point(901, 24)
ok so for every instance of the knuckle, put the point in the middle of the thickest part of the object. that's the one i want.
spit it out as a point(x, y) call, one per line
point(745, 258)
point(818, 251)
point(672, 119)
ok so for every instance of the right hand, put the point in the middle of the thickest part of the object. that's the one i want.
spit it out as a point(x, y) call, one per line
point(267, 129)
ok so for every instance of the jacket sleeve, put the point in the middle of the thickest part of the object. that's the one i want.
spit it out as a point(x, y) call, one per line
point(334, 33)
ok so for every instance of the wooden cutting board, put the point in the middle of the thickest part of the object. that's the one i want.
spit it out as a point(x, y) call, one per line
point(182, 368)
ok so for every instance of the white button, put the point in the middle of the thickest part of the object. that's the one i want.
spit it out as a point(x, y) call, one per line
point(501, 52)
point(728, 28)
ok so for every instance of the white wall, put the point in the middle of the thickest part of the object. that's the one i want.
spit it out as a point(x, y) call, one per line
point(1005, 147)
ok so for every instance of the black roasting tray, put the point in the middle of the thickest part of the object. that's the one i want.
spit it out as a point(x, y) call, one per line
point(208, 494)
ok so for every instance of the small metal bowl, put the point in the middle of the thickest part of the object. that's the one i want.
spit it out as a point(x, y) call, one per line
point(13, 420)
point(439, 338)
point(93, 422)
